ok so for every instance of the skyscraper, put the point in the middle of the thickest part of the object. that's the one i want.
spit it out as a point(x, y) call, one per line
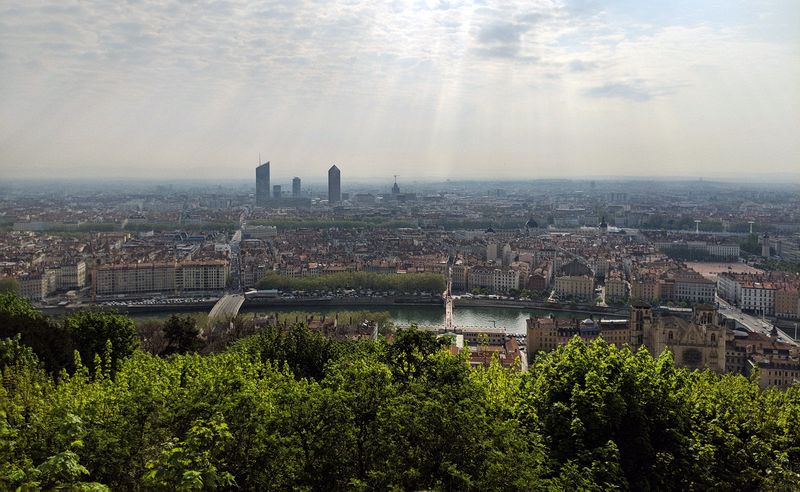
point(276, 192)
point(262, 184)
point(296, 187)
point(334, 185)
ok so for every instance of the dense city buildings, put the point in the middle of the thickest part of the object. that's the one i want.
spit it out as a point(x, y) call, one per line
point(548, 246)
point(697, 338)
point(172, 278)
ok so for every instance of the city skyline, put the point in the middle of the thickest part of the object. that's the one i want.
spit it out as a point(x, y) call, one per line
point(438, 89)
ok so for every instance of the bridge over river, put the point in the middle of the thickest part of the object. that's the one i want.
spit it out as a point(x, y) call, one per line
point(227, 307)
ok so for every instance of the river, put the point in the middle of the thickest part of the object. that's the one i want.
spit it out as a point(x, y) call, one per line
point(512, 319)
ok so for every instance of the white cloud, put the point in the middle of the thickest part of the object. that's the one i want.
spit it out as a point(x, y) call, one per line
point(437, 86)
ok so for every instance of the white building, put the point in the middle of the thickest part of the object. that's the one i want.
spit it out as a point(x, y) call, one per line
point(508, 255)
point(729, 288)
point(505, 279)
point(758, 297)
point(491, 252)
point(495, 279)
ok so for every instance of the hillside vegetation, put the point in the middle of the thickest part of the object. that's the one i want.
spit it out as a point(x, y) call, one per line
point(291, 409)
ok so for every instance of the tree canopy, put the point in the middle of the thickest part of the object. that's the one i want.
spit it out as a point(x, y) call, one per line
point(405, 283)
point(289, 408)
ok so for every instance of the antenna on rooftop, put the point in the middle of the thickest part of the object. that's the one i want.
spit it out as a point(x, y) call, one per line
point(259, 158)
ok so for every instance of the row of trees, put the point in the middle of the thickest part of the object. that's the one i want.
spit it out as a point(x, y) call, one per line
point(289, 224)
point(55, 341)
point(774, 264)
point(405, 283)
point(289, 408)
point(447, 224)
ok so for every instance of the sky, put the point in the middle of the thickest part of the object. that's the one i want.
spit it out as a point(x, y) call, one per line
point(420, 88)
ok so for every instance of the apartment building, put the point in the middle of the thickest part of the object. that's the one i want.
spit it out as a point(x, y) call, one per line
point(71, 275)
point(37, 286)
point(166, 277)
point(460, 277)
point(616, 287)
point(690, 286)
point(577, 287)
point(494, 279)
point(550, 333)
point(758, 297)
point(787, 302)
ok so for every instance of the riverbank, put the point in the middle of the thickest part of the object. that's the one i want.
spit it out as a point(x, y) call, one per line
point(542, 306)
point(361, 303)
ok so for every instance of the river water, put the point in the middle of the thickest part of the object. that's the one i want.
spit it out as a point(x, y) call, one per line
point(512, 319)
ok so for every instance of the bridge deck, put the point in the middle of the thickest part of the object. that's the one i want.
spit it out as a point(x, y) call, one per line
point(229, 305)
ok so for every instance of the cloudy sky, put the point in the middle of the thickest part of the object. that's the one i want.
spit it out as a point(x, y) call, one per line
point(419, 88)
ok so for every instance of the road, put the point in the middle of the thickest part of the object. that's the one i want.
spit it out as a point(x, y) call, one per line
point(448, 301)
point(236, 262)
point(750, 322)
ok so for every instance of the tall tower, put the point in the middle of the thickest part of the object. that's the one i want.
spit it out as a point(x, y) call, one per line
point(276, 192)
point(262, 184)
point(296, 187)
point(640, 325)
point(334, 185)
point(765, 244)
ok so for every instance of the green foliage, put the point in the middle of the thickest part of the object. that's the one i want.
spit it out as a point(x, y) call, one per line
point(9, 285)
point(51, 343)
point(182, 335)
point(63, 471)
point(410, 352)
point(290, 224)
point(780, 265)
point(290, 409)
point(13, 305)
point(751, 245)
point(303, 351)
point(92, 329)
point(382, 318)
point(410, 282)
point(193, 464)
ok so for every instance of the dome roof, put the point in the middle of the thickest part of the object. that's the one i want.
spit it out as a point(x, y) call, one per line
point(489, 230)
point(531, 224)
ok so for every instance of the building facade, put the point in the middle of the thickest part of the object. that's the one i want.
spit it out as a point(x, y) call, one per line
point(579, 287)
point(697, 341)
point(162, 278)
point(616, 289)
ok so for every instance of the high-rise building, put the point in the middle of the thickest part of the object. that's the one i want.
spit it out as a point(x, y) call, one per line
point(262, 184)
point(296, 187)
point(334, 185)
point(276, 192)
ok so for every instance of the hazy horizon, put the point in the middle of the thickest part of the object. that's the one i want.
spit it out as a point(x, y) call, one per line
point(427, 90)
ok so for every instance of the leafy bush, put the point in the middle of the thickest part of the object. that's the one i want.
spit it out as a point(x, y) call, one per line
point(290, 409)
